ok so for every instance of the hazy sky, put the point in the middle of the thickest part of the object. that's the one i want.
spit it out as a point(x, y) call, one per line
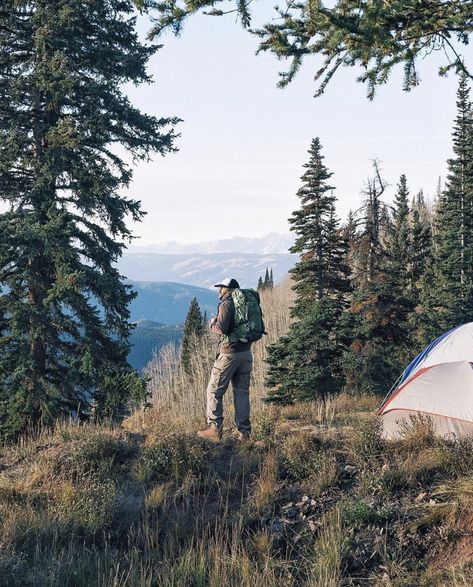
point(243, 141)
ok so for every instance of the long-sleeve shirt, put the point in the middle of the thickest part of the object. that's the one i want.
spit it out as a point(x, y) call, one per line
point(223, 324)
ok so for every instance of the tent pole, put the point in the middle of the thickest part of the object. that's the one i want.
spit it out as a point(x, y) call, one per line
point(394, 386)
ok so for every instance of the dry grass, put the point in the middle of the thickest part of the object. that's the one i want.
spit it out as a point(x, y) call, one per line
point(91, 505)
point(263, 492)
point(328, 552)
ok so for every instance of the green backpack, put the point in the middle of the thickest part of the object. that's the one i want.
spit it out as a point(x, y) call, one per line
point(248, 323)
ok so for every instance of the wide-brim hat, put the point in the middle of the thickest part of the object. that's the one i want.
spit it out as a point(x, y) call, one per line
point(229, 282)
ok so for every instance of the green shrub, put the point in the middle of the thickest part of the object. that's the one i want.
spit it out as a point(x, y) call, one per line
point(263, 426)
point(418, 433)
point(99, 454)
point(172, 457)
point(357, 513)
point(299, 454)
point(13, 568)
point(394, 480)
point(367, 442)
point(457, 456)
point(90, 504)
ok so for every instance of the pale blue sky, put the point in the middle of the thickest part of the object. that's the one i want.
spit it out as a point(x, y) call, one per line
point(243, 141)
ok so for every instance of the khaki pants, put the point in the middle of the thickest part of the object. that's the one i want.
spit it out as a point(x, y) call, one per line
point(234, 368)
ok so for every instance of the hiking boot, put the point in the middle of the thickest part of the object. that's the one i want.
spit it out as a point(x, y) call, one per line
point(244, 436)
point(211, 433)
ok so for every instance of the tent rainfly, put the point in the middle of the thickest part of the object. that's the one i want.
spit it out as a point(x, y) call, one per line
point(437, 384)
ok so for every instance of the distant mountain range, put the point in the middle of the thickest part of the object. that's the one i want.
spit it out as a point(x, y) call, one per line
point(270, 244)
point(204, 270)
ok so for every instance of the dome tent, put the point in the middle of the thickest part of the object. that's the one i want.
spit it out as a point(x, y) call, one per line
point(437, 384)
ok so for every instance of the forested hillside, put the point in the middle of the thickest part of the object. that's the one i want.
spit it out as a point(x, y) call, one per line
point(147, 338)
point(374, 291)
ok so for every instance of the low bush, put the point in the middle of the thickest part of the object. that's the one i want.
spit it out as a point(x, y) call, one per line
point(417, 433)
point(89, 505)
point(99, 453)
point(173, 457)
point(264, 426)
point(356, 512)
point(367, 443)
point(300, 456)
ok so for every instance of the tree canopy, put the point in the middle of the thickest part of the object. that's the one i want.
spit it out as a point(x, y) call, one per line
point(372, 34)
point(64, 317)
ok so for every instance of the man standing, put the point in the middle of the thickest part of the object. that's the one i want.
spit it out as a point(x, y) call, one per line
point(233, 363)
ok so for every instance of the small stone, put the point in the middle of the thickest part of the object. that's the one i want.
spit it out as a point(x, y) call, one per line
point(313, 503)
point(313, 525)
point(305, 498)
point(288, 505)
point(420, 497)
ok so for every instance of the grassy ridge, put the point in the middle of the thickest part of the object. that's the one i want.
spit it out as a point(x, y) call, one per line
point(316, 499)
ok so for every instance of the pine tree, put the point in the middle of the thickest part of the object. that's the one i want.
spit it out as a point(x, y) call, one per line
point(400, 237)
point(271, 279)
point(374, 35)
point(378, 318)
point(260, 284)
point(420, 276)
point(452, 283)
point(371, 253)
point(421, 243)
point(321, 269)
point(305, 363)
point(64, 304)
point(193, 330)
point(350, 234)
point(266, 279)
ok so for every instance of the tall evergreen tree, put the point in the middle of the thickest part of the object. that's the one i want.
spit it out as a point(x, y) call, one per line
point(453, 267)
point(378, 318)
point(421, 243)
point(266, 284)
point(400, 237)
point(421, 269)
point(374, 224)
point(321, 270)
point(193, 330)
point(62, 114)
point(305, 363)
